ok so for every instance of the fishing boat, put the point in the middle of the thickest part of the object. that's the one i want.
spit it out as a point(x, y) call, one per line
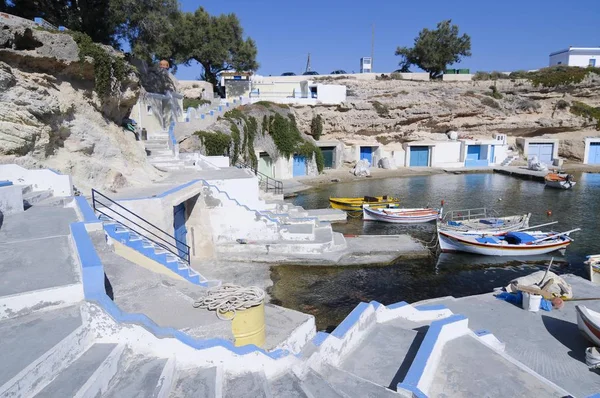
point(514, 243)
point(481, 219)
point(593, 262)
point(355, 204)
point(400, 216)
point(588, 322)
point(559, 181)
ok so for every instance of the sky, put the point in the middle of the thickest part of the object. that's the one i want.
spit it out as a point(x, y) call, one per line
point(505, 35)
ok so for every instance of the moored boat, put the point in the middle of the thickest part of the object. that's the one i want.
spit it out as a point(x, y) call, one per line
point(593, 262)
point(588, 322)
point(399, 215)
point(508, 244)
point(559, 181)
point(481, 219)
point(355, 204)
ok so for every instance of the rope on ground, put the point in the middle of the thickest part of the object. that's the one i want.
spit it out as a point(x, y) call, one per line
point(354, 214)
point(428, 244)
point(230, 298)
point(592, 358)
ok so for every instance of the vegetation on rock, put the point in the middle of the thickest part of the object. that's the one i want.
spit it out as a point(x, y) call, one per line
point(587, 111)
point(194, 102)
point(435, 49)
point(109, 71)
point(381, 109)
point(316, 127)
point(556, 76)
point(215, 144)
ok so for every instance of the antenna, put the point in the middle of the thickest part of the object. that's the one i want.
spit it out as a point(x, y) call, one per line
point(308, 64)
point(372, 45)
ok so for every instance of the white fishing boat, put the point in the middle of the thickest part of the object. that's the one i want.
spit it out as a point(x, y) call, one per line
point(512, 243)
point(481, 219)
point(559, 181)
point(593, 262)
point(588, 322)
point(400, 216)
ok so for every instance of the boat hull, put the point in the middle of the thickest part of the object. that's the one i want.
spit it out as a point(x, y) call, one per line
point(588, 323)
point(453, 243)
point(560, 184)
point(355, 204)
point(400, 216)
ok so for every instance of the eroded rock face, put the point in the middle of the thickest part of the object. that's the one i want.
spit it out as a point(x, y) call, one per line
point(398, 111)
point(51, 117)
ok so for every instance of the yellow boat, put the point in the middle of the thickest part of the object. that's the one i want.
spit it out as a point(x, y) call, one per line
point(355, 204)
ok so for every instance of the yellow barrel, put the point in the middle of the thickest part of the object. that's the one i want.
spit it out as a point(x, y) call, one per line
point(248, 326)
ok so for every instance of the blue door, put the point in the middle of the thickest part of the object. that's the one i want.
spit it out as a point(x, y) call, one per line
point(419, 156)
point(299, 166)
point(180, 230)
point(594, 155)
point(544, 152)
point(366, 152)
point(492, 153)
point(473, 158)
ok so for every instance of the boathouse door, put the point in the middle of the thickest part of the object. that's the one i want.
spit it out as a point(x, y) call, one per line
point(180, 229)
point(419, 156)
point(299, 168)
point(366, 152)
point(594, 154)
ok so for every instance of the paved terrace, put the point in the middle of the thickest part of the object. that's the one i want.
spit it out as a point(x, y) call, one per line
point(547, 342)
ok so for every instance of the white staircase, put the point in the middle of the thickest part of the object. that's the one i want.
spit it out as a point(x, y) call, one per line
point(511, 156)
point(161, 155)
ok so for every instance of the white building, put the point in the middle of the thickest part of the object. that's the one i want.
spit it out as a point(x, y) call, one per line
point(576, 56)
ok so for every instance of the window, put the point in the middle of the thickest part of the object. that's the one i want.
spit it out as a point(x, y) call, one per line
point(149, 109)
point(592, 62)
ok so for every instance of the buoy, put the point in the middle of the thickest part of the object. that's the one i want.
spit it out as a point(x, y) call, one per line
point(558, 303)
point(549, 213)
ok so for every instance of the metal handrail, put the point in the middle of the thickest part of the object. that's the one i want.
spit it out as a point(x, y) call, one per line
point(468, 214)
point(95, 201)
point(270, 183)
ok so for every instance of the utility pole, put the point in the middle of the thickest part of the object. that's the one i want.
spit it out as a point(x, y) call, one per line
point(372, 45)
point(308, 64)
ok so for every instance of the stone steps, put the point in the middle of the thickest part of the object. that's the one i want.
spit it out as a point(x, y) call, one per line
point(138, 376)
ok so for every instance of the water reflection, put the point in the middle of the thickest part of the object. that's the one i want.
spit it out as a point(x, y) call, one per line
point(330, 293)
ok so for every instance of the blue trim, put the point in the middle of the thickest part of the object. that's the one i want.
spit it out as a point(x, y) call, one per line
point(212, 113)
point(172, 134)
point(593, 396)
point(86, 210)
point(482, 332)
point(93, 287)
point(320, 338)
point(5, 183)
point(350, 320)
point(425, 350)
point(396, 305)
point(416, 393)
point(376, 304)
point(431, 307)
point(202, 116)
point(54, 171)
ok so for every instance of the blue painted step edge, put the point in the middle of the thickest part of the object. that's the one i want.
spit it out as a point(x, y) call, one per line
point(138, 245)
point(92, 271)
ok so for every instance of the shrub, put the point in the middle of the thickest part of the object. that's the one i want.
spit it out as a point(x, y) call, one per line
point(396, 76)
point(495, 75)
point(316, 127)
point(215, 144)
point(265, 124)
point(556, 76)
point(482, 76)
point(234, 114)
point(519, 74)
point(495, 93)
point(381, 109)
point(562, 104)
point(266, 104)
point(340, 108)
point(194, 102)
point(526, 105)
point(236, 138)
point(490, 102)
point(587, 111)
point(307, 149)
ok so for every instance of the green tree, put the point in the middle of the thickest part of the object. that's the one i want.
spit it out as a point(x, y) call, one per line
point(147, 25)
point(88, 16)
point(215, 42)
point(435, 49)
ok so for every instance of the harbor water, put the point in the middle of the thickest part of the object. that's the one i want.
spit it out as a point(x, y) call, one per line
point(330, 293)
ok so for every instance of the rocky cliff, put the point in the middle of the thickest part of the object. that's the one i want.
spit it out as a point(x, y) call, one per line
point(397, 111)
point(51, 115)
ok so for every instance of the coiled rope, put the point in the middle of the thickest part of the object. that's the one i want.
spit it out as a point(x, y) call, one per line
point(230, 298)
